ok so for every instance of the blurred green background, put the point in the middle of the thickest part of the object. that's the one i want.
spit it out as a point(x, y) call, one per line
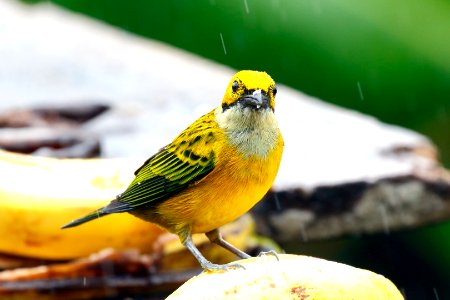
point(389, 59)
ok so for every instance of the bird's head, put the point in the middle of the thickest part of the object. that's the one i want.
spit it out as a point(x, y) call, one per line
point(250, 89)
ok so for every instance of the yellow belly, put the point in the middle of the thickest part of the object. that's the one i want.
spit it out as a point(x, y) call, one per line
point(231, 189)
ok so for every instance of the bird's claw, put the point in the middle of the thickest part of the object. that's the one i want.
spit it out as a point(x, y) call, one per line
point(214, 267)
point(270, 252)
point(235, 266)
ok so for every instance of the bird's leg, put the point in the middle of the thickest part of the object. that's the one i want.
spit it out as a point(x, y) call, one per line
point(186, 239)
point(215, 237)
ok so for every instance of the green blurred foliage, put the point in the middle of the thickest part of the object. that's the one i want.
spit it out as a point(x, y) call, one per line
point(390, 59)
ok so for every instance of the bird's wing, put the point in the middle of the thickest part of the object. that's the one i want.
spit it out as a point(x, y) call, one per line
point(185, 161)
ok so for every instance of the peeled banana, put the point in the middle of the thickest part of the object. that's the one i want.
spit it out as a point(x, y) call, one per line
point(38, 195)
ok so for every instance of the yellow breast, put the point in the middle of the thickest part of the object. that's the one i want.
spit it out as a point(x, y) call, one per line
point(235, 185)
point(235, 188)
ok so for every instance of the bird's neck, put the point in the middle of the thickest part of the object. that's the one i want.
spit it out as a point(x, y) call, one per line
point(252, 132)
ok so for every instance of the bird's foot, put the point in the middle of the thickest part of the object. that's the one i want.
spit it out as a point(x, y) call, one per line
point(209, 266)
point(270, 252)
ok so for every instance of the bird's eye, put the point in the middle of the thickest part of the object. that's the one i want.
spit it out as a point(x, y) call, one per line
point(235, 86)
point(274, 90)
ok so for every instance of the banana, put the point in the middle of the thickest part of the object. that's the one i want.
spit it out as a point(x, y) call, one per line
point(289, 276)
point(38, 195)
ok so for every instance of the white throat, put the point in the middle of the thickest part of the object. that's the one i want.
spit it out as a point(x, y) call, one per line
point(253, 133)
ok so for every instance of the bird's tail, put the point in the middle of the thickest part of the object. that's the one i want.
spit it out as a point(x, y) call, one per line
point(93, 215)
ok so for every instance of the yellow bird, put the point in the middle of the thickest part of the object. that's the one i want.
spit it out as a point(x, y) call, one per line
point(213, 172)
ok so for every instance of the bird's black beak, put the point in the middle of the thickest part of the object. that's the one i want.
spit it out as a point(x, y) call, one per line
point(255, 99)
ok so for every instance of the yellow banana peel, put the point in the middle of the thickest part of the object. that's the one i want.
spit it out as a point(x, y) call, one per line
point(38, 195)
point(292, 277)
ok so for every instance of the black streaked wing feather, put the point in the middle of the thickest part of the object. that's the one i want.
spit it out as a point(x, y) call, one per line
point(148, 160)
point(162, 176)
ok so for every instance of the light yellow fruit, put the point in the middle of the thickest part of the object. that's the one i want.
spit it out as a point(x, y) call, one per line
point(293, 277)
point(38, 195)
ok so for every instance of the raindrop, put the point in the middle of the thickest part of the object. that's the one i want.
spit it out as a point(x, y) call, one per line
point(277, 201)
point(223, 44)
point(403, 291)
point(435, 293)
point(361, 95)
point(384, 219)
point(246, 6)
point(303, 233)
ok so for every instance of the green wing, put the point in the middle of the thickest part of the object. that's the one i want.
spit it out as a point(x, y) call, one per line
point(174, 168)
